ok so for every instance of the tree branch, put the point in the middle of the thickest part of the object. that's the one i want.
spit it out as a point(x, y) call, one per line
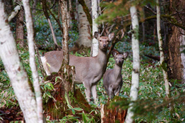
point(14, 13)
point(44, 6)
point(57, 20)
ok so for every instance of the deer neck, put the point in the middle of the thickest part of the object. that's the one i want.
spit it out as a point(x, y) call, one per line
point(101, 57)
point(117, 70)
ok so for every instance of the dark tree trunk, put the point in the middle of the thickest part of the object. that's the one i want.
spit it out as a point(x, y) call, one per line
point(8, 6)
point(65, 12)
point(175, 71)
point(175, 42)
point(20, 27)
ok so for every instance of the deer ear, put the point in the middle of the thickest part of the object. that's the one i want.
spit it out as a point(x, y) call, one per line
point(125, 55)
point(111, 36)
point(96, 35)
point(114, 52)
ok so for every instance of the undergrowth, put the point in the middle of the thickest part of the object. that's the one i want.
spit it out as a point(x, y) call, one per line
point(152, 105)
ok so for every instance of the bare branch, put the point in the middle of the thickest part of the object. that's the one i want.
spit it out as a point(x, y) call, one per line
point(49, 21)
point(14, 13)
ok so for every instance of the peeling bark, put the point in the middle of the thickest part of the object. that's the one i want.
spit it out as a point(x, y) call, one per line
point(18, 77)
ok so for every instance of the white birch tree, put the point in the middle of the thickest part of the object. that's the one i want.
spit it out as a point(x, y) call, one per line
point(182, 48)
point(30, 38)
point(165, 75)
point(136, 63)
point(18, 76)
point(83, 27)
point(94, 27)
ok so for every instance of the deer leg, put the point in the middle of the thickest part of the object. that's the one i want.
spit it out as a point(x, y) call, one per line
point(94, 93)
point(111, 91)
point(117, 91)
point(87, 91)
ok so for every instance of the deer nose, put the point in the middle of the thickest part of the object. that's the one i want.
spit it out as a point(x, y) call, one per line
point(104, 45)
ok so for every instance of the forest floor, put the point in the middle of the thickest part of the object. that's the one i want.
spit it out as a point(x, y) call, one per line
point(10, 114)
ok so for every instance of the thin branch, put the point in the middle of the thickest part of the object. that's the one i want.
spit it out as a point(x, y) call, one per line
point(57, 20)
point(14, 13)
point(112, 26)
point(49, 21)
point(173, 21)
point(154, 12)
point(104, 27)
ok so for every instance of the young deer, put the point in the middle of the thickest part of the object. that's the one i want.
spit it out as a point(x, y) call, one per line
point(112, 79)
point(89, 70)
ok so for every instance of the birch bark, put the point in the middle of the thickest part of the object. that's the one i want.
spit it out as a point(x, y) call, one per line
point(136, 63)
point(165, 75)
point(30, 38)
point(182, 48)
point(84, 27)
point(94, 27)
point(18, 77)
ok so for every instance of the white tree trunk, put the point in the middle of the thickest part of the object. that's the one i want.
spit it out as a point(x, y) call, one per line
point(182, 48)
point(15, 70)
point(30, 38)
point(136, 63)
point(84, 27)
point(165, 75)
point(94, 27)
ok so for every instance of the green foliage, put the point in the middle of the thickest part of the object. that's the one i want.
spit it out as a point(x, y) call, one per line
point(151, 91)
point(151, 106)
point(6, 92)
point(120, 8)
point(112, 10)
point(69, 118)
point(43, 32)
point(160, 109)
point(47, 87)
point(87, 118)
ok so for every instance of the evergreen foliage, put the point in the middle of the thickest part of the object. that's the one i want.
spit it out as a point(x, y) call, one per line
point(152, 105)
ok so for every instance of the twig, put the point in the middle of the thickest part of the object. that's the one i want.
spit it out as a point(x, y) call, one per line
point(48, 18)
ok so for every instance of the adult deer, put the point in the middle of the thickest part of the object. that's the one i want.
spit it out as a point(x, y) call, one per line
point(112, 79)
point(89, 70)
